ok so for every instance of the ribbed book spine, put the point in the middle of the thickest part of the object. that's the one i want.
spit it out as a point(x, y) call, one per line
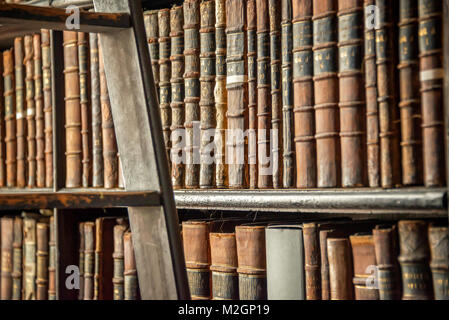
point(439, 263)
point(20, 114)
point(325, 284)
point(42, 261)
point(89, 260)
point(2, 132)
point(81, 250)
point(312, 261)
point(39, 104)
point(30, 111)
point(17, 259)
point(29, 259)
point(10, 115)
point(7, 238)
point(52, 262)
point(340, 269)
point(131, 284)
point(118, 257)
point(152, 30)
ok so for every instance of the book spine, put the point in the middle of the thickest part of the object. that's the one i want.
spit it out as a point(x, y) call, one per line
point(351, 92)
point(326, 92)
point(20, 113)
point(237, 89)
point(30, 111)
point(81, 250)
point(340, 269)
point(312, 261)
point(220, 94)
point(274, 11)
point(7, 235)
point(10, 123)
point(17, 259)
point(152, 31)
point(39, 104)
point(207, 101)
point(303, 94)
point(372, 109)
point(431, 78)
point(325, 285)
point(89, 260)
point(72, 110)
point(251, 258)
point(265, 177)
point(287, 95)
point(110, 162)
point(131, 285)
point(42, 261)
point(52, 257)
point(409, 105)
point(118, 256)
point(2, 131)
point(439, 263)
point(48, 106)
point(29, 259)
point(192, 91)
point(414, 259)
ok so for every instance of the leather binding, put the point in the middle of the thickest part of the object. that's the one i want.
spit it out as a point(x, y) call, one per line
point(220, 94)
point(7, 238)
point(83, 51)
point(29, 258)
point(97, 134)
point(17, 259)
point(104, 247)
point(207, 84)
point(265, 163)
point(237, 89)
point(414, 259)
point(225, 281)
point(118, 257)
point(431, 77)
point(42, 261)
point(388, 119)
point(39, 104)
point(30, 111)
point(312, 261)
point(303, 94)
point(152, 31)
point(177, 95)
point(2, 133)
point(52, 262)
point(386, 249)
point(164, 77)
point(351, 93)
point(325, 80)
point(89, 260)
point(81, 250)
point(10, 123)
point(72, 110)
point(340, 269)
point(131, 284)
point(107, 124)
point(192, 91)
point(287, 95)
point(409, 105)
point(439, 263)
point(252, 262)
point(48, 106)
point(372, 108)
point(285, 262)
point(274, 11)
point(325, 284)
point(20, 113)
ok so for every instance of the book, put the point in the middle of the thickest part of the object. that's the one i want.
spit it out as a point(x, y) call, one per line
point(131, 285)
point(7, 256)
point(89, 260)
point(118, 256)
point(104, 247)
point(10, 115)
point(439, 263)
point(340, 269)
point(151, 22)
point(303, 94)
point(52, 258)
point(20, 113)
point(39, 105)
point(81, 260)
point(42, 250)
point(29, 257)
point(30, 111)
point(312, 261)
point(207, 101)
point(17, 259)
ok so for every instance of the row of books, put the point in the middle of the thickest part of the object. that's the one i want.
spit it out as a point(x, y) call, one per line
point(351, 91)
point(308, 259)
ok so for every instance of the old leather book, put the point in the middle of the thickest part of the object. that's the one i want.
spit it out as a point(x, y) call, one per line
point(152, 30)
point(72, 110)
point(340, 269)
point(39, 105)
point(220, 95)
point(7, 238)
point(414, 259)
point(388, 118)
point(89, 260)
point(177, 96)
point(10, 115)
point(285, 262)
point(237, 88)
point(81, 250)
point(52, 262)
point(42, 261)
point(303, 93)
point(207, 84)
point(264, 112)
point(439, 263)
point(431, 77)
point(104, 264)
point(325, 68)
point(30, 111)
point(351, 93)
point(20, 112)
point(312, 263)
point(131, 285)
point(17, 259)
point(110, 161)
point(2, 133)
point(29, 256)
point(409, 104)
point(192, 90)
point(48, 106)
point(118, 256)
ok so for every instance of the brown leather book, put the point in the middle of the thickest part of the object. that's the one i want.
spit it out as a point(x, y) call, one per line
point(89, 260)
point(151, 28)
point(81, 250)
point(52, 262)
point(192, 91)
point(340, 269)
point(265, 161)
point(104, 263)
point(131, 285)
point(220, 95)
point(30, 111)
point(118, 257)
point(303, 94)
point(110, 162)
point(20, 113)
point(414, 259)
point(72, 110)
point(177, 96)
point(48, 106)
point(10, 115)
point(17, 259)
point(325, 80)
point(409, 104)
point(312, 260)
point(207, 84)
point(39, 104)
point(431, 77)
point(29, 257)
point(386, 248)
point(2, 133)
point(237, 88)
point(351, 93)
point(42, 261)
point(439, 263)
point(7, 238)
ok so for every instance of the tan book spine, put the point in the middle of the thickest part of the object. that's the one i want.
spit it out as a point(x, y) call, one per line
point(52, 258)
point(10, 115)
point(29, 259)
point(81, 259)
point(20, 114)
point(42, 261)
point(30, 111)
point(131, 283)
point(39, 104)
point(17, 259)
point(312, 261)
point(340, 269)
point(118, 256)
point(89, 260)
point(2, 132)
point(7, 239)
point(152, 30)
